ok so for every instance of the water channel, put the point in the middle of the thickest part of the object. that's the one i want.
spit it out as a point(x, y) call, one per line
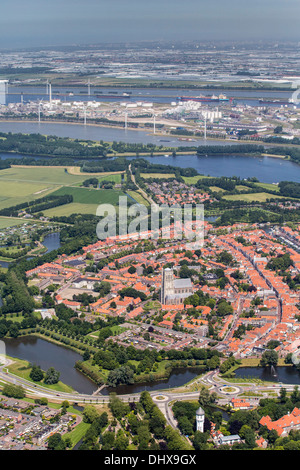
point(284, 375)
point(46, 354)
point(51, 242)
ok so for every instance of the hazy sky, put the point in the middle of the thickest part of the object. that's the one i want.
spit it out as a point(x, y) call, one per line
point(26, 23)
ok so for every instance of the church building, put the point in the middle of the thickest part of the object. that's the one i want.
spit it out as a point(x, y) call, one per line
point(174, 291)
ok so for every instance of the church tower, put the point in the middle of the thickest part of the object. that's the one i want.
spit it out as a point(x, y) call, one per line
point(200, 416)
point(167, 286)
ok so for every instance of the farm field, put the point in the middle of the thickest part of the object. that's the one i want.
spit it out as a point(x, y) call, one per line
point(10, 222)
point(91, 195)
point(20, 184)
point(41, 174)
point(251, 197)
point(157, 175)
point(193, 179)
point(69, 209)
point(268, 186)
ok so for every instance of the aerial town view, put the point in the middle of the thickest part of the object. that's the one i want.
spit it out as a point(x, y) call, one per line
point(150, 229)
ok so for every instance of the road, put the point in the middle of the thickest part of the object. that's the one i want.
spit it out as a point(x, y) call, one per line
point(163, 399)
point(143, 193)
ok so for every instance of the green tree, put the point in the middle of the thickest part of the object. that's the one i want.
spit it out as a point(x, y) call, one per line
point(269, 358)
point(36, 373)
point(52, 376)
point(55, 442)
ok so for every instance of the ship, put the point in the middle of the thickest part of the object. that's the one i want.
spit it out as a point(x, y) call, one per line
point(279, 102)
point(124, 95)
point(206, 99)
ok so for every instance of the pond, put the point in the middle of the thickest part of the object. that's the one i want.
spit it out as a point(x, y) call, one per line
point(284, 374)
point(178, 377)
point(45, 354)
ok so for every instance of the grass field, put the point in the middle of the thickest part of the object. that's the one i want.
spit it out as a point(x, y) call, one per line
point(73, 208)
point(52, 175)
point(157, 175)
point(77, 433)
point(138, 197)
point(20, 184)
point(251, 197)
point(193, 179)
point(9, 222)
point(216, 189)
point(85, 201)
point(23, 184)
point(91, 196)
point(268, 186)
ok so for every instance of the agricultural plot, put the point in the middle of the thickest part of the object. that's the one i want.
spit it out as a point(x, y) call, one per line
point(85, 200)
point(251, 197)
point(21, 184)
point(6, 222)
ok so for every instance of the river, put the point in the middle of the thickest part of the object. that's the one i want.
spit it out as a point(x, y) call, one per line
point(153, 95)
point(266, 169)
point(98, 132)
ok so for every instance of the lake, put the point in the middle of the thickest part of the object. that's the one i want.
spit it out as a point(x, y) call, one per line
point(265, 169)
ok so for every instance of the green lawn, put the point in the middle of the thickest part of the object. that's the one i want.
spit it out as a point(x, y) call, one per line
point(77, 433)
point(22, 369)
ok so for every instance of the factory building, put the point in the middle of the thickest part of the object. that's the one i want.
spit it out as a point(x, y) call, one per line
point(3, 91)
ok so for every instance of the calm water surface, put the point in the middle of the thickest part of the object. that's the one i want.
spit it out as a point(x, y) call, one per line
point(286, 375)
point(46, 354)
